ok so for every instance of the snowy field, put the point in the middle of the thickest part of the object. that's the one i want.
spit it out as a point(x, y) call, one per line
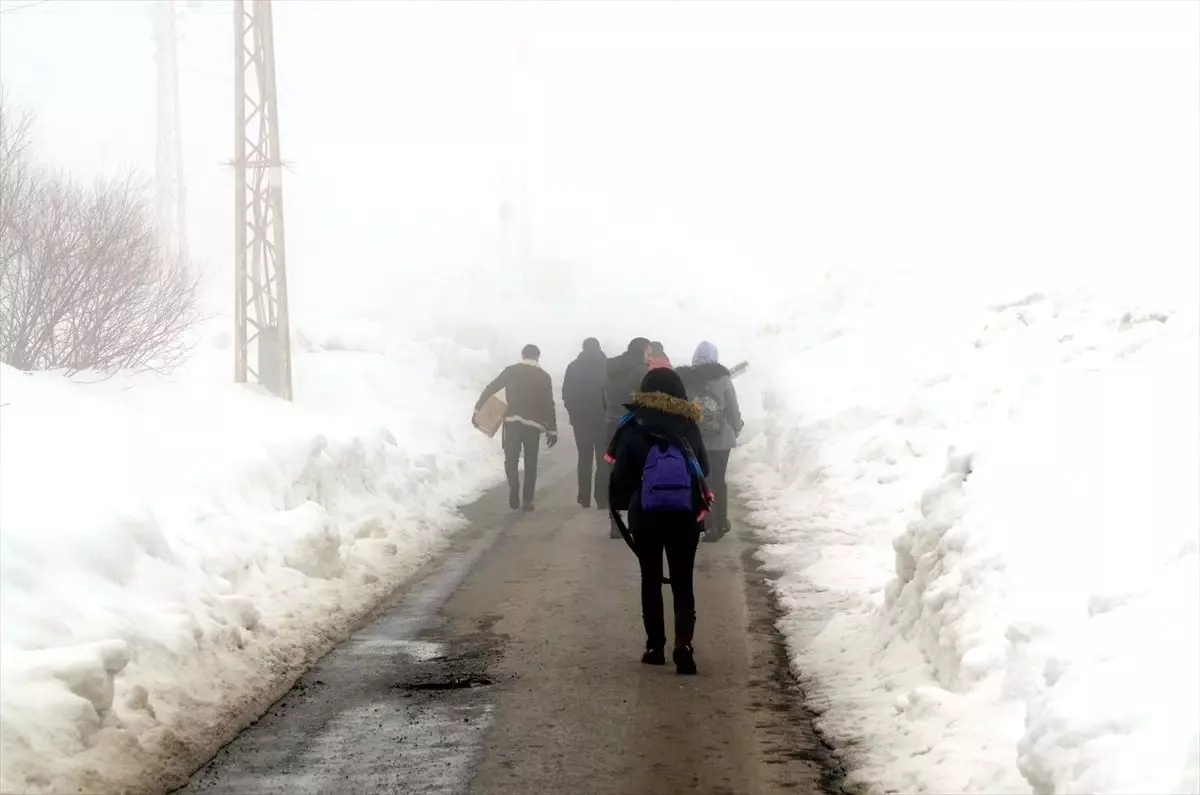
point(176, 550)
point(985, 526)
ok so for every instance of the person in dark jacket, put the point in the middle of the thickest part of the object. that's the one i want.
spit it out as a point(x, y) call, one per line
point(530, 413)
point(661, 411)
point(623, 376)
point(583, 395)
point(710, 383)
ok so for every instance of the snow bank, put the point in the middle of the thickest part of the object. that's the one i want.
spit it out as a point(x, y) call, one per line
point(986, 529)
point(174, 551)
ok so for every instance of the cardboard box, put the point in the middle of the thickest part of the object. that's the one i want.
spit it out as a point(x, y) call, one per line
point(490, 416)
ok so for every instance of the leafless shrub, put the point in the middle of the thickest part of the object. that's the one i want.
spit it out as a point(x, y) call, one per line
point(84, 284)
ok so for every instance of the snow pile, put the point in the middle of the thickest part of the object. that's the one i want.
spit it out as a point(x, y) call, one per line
point(175, 551)
point(986, 526)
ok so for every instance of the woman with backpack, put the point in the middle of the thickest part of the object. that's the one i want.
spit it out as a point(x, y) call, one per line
point(710, 384)
point(659, 465)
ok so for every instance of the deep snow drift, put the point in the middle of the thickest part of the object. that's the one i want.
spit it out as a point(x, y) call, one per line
point(174, 550)
point(985, 523)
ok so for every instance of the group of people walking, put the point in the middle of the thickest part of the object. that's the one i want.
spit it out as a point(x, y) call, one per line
point(653, 441)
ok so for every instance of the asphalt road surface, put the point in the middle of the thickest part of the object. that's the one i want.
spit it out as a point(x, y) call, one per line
point(512, 666)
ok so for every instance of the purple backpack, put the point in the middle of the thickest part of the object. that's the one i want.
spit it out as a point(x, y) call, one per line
point(666, 479)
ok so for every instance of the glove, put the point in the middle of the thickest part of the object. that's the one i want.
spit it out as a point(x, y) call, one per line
point(551, 439)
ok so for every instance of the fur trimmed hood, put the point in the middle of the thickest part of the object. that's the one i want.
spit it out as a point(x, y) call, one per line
point(667, 405)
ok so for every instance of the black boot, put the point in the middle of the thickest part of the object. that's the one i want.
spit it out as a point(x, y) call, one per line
point(685, 660)
point(715, 531)
point(514, 499)
point(654, 656)
point(684, 655)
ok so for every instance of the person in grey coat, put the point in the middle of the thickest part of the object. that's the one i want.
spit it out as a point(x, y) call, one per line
point(710, 384)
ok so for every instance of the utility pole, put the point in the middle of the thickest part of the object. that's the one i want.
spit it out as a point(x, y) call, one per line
point(262, 339)
point(170, 199)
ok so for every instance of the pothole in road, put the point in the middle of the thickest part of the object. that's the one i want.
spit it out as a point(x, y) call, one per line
point(455, 683)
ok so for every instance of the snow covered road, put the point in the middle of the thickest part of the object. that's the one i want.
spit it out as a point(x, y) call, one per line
point(513, 667)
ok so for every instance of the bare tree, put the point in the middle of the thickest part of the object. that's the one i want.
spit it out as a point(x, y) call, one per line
point(84, 283)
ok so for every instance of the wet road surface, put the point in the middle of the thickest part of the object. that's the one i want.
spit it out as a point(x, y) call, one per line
point(512, 666)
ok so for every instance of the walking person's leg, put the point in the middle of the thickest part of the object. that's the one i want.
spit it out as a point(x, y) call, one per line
point(584, 446)
point(530, 438)
point(599, 447)
point(681, 560)
point(609, 430)
point(718, 462)
point(510, 440)
point(650, 560)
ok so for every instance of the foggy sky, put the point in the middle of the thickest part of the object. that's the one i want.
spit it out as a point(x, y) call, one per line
point(747, 146)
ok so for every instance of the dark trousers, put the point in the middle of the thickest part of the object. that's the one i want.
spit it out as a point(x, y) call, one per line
point(591, 442)
point(680, 545)
point(718, 463)
point(517, 436)
point(604, 472)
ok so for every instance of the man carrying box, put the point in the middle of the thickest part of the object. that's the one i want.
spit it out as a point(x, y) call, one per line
point(530, 413)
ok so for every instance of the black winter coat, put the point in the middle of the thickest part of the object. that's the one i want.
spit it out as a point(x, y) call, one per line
point(530, 396)
point(583, 389)
point(655, 412)
point(623, 377)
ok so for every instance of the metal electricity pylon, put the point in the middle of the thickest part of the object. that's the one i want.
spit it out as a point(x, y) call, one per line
point(170, 199)
point(262, 347)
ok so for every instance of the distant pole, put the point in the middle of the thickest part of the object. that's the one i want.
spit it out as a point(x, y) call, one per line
point(169, 190)
point(262, 333)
